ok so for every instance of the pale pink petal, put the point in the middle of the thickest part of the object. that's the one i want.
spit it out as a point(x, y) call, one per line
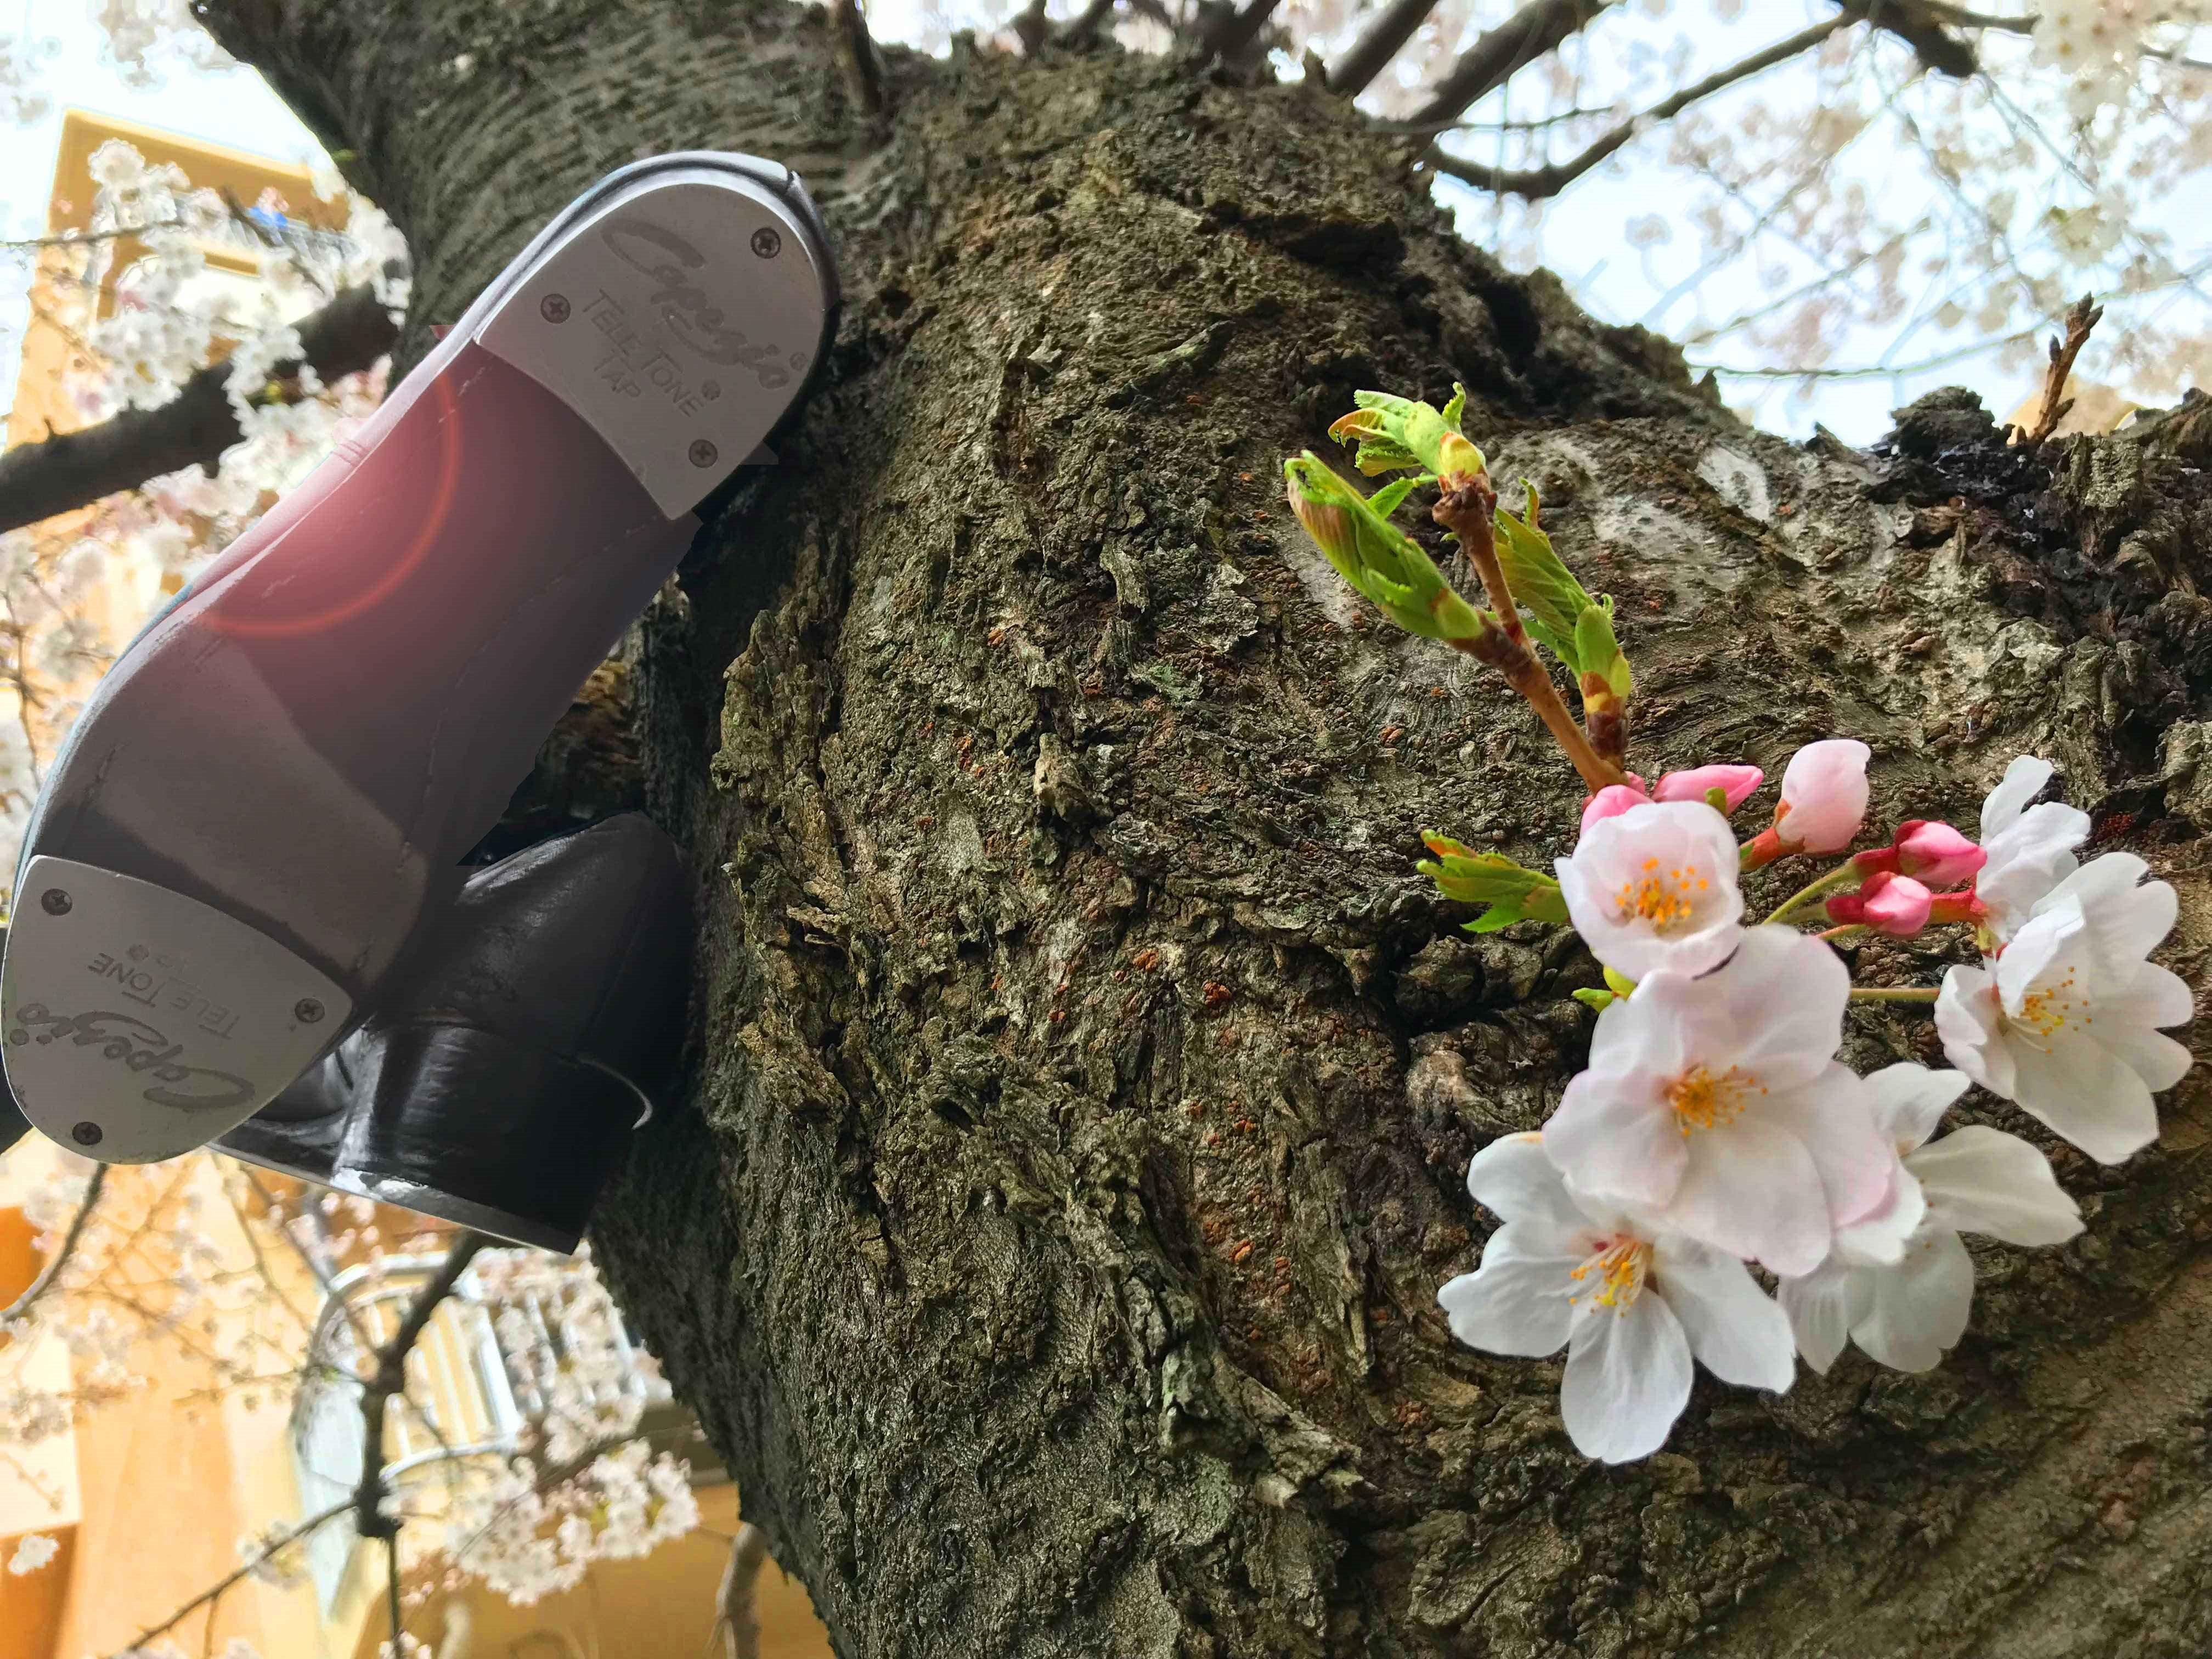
point(1833, 1117)
point(1753, 1191)
point(1513, 1303)
point(1879, 1238)
point(1735, 784)
point(2022, 782)
point(1626, 1381)
point(2084, 1093)
point(2159, 1060)
point(1783, 1040)
point(1615, 1137)
point(1824, 795)
point(1610, 802)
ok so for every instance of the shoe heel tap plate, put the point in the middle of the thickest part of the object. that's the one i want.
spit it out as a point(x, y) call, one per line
point(137, 1023)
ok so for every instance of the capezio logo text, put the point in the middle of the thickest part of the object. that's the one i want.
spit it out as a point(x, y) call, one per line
point(688, 309)
point(131, 1041)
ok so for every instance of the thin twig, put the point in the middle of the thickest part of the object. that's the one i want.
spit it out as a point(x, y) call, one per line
point(214, 1594)
point(1234, 30)
point(1538, 183)
point(1501, 52)
point(23, 1303)
point(2080, 322)
point(858, 60)
point(390, 1378)
point(1378, 45)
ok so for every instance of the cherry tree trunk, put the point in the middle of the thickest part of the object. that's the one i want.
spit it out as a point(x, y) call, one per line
point(1083, 1079)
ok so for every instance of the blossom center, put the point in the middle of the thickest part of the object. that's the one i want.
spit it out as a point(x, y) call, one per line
point(1612, 1276)
point(1704, 1099)
point(1666, 897)
point(2049, 1009)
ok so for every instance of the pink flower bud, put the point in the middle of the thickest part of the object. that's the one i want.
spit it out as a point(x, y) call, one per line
point(1824, 796)
point(1938, 854)
point(1896, 905)
point(1736, 782)
point(1611, 801)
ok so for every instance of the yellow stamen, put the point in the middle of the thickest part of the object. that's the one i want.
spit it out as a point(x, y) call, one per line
point(1666, 899)
point(1703, 1101)
point(1621, 1266)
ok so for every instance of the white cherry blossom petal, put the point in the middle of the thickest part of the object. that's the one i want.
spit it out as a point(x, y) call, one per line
point(1514, 1179)
point(1626, 1381)
point(1983, 1180)
point(1735, 1329)
point(1513, 1303)
point(1833, 1118)
point(1917, 1309)
point(1822, 1306)
point(2082, 1092)
point(1970, 1018)
point(1910, 1101)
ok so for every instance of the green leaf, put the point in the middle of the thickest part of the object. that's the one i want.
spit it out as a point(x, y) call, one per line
point(1599, 1000)
point(1383, 564)
point(1543, 585)
point(1513, 892)
point(1599, 651)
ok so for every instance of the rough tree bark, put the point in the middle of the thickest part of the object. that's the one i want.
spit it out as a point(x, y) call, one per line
point(1084, 1080)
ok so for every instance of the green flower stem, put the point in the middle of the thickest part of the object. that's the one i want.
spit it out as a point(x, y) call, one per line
point(1842, 875)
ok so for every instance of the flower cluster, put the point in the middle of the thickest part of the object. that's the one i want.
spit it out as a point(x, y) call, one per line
point(1716, 1136)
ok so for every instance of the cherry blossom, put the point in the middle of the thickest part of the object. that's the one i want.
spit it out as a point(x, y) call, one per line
point(2030, 848)
point(1824, 796)
point(1632, 1305)
point(1905, 1309)
point(31, 1553)
point(1716, 1105)
point(1655, 887)
point(2064, 1022)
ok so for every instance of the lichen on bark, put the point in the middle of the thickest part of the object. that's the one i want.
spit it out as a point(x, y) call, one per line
point(1084, 1079)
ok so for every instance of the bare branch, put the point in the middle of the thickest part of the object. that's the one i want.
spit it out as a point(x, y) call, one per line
point(215, 1592)
point(736, 1617)
point(38, 1286)
point(1540, 182)
point(1083, 27)
point(1231, 32)
point(1520, 40)
point(1921, 27)
point(76, 469)
point(2080, 322)
point(1378, 45)
point(390, 1378)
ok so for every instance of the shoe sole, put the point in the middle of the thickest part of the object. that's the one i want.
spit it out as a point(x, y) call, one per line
point(275, 783)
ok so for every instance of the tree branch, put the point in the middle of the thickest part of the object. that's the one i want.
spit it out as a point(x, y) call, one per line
point(1233, 31)
point(858, 59)
point(1537, 183)
point(38, 1286)
point(215, 1592)
point(1378, 45)
point(390, 1378)
point(1921, 27)
point(1520, 40)
point(76, 469)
